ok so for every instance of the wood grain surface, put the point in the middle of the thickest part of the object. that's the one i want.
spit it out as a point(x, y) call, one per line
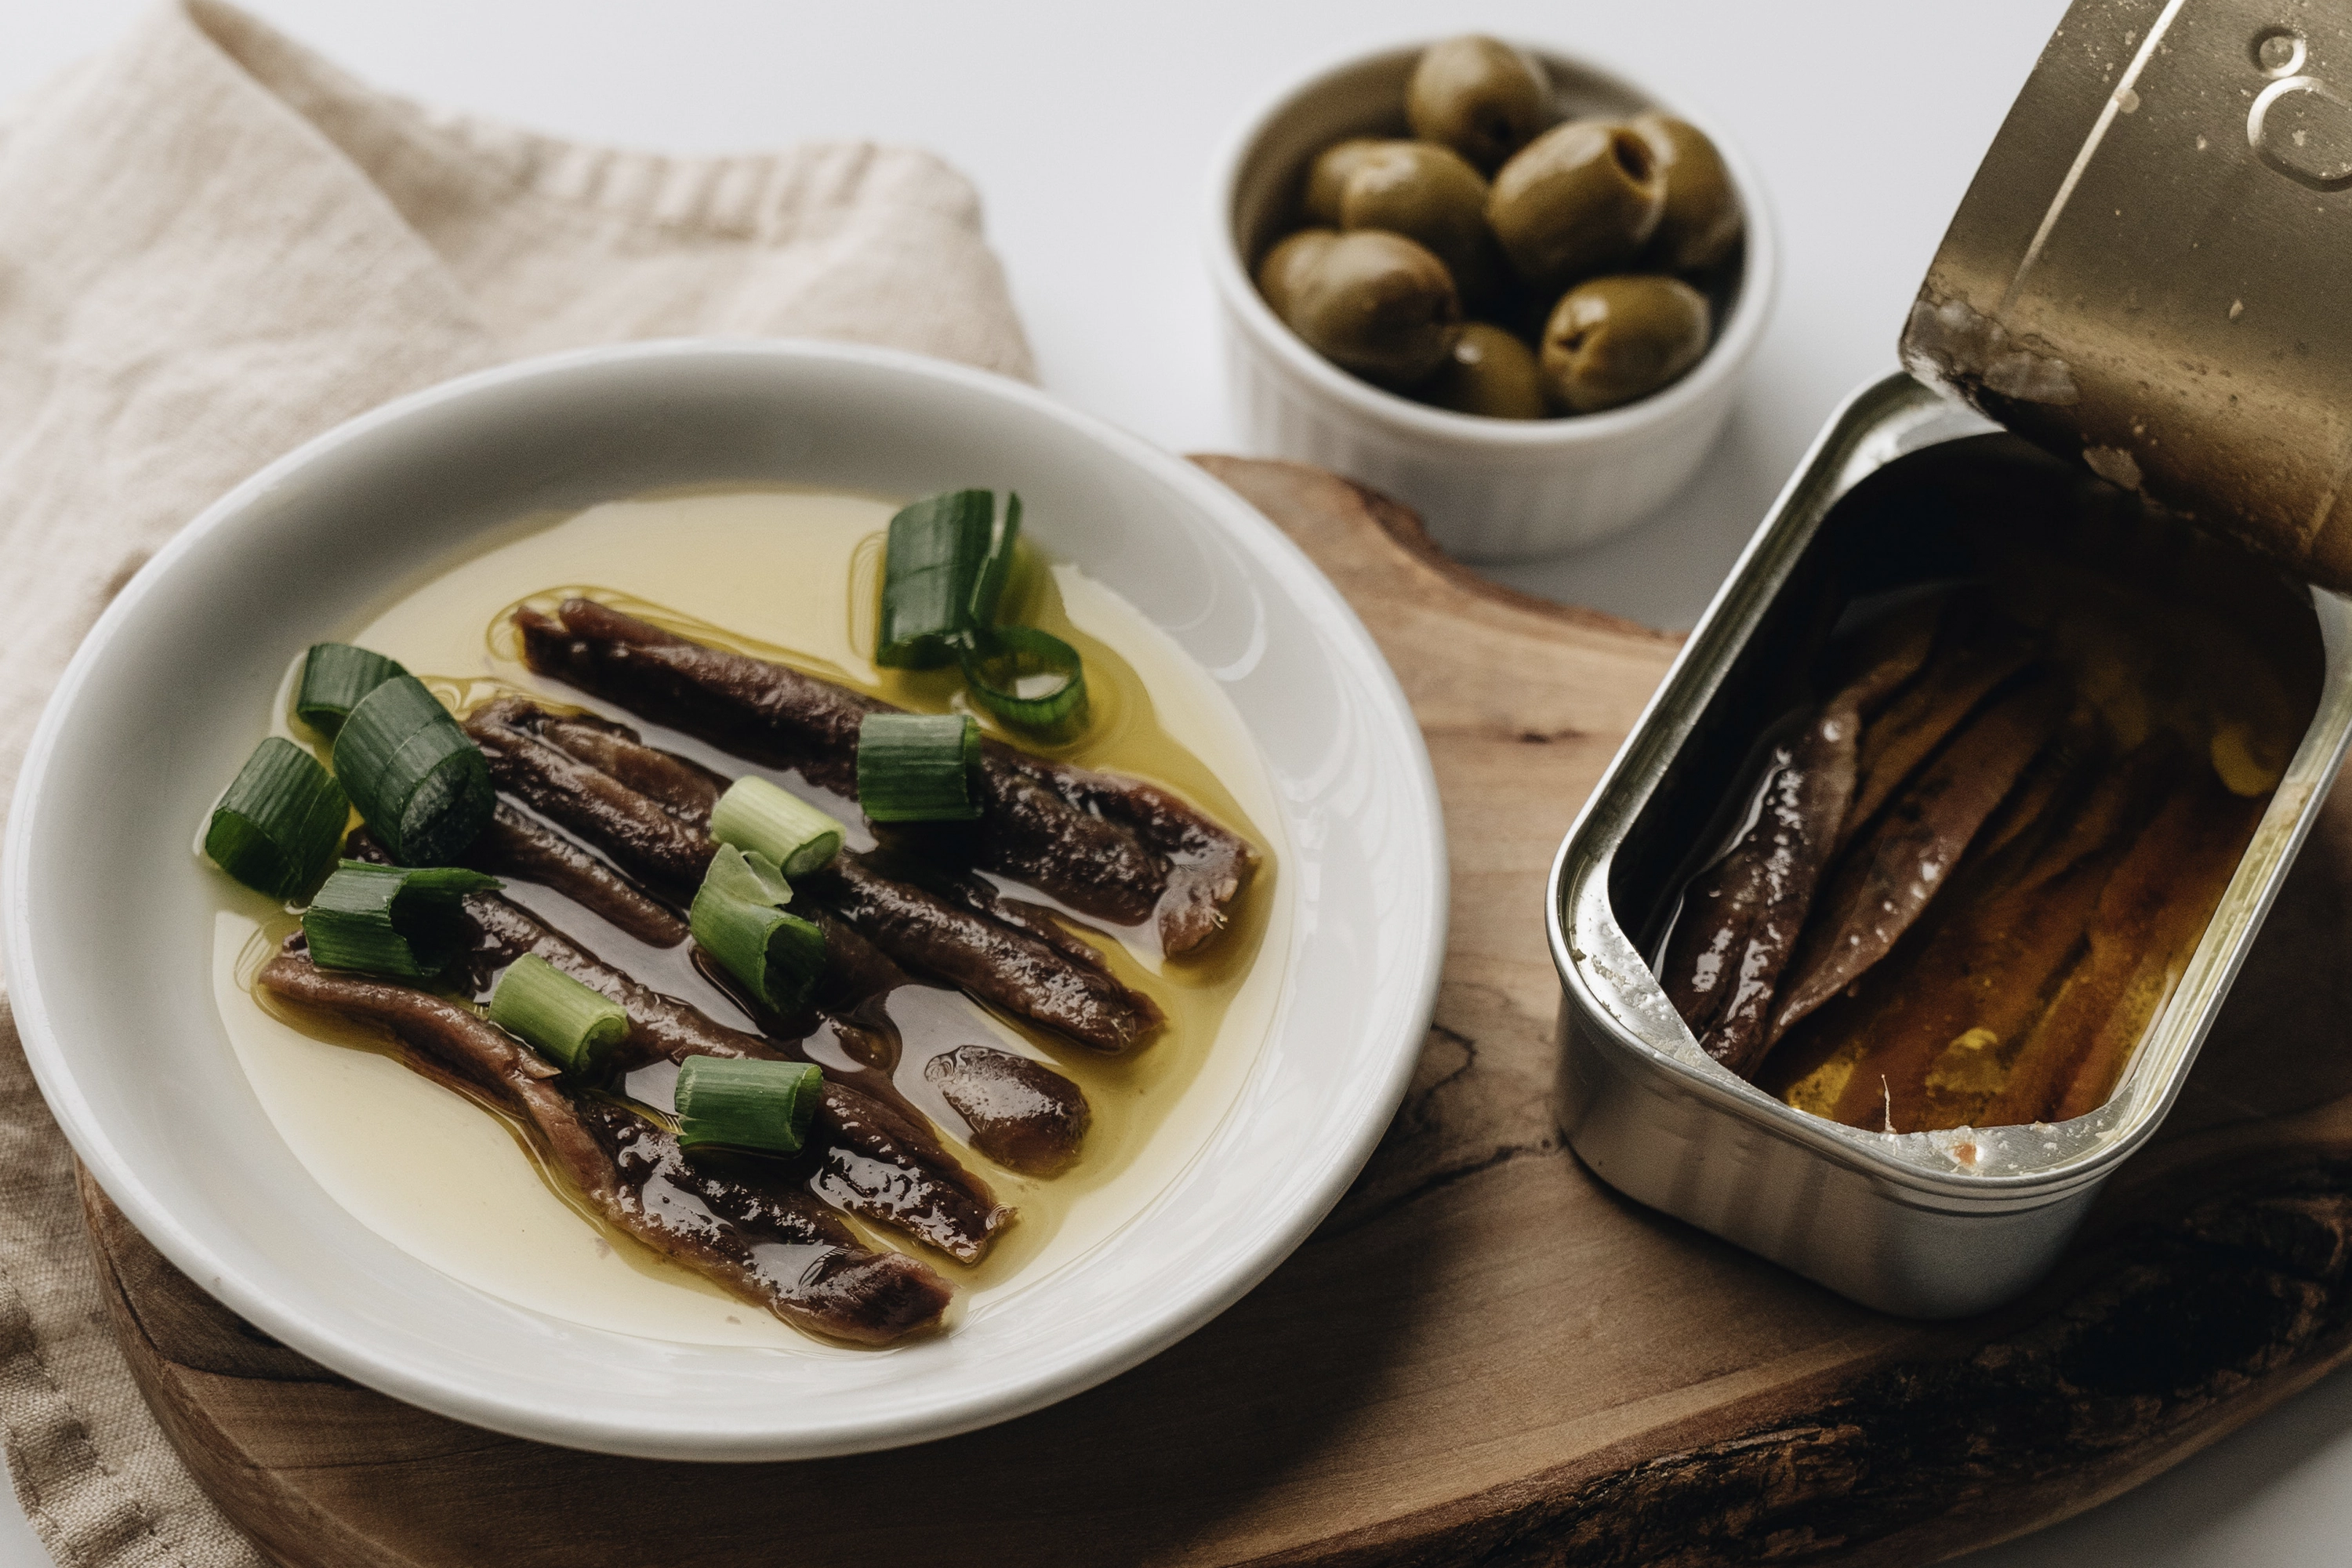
point(1484, 1356)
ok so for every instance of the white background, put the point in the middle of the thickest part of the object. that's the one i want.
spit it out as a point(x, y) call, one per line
point(1088, 128)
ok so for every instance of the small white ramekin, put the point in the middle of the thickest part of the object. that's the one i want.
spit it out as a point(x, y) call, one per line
point(1490, 490)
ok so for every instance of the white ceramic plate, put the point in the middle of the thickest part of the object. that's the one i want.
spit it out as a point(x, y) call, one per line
point(107, 916)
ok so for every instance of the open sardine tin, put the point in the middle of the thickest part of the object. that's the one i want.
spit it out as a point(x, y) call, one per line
point(2139, 285)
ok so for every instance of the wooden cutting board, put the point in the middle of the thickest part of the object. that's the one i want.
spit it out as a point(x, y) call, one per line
point(1484, 1356)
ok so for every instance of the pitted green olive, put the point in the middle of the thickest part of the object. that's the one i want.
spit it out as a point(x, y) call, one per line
point(1428, 195)
point(1286, 262)
point(1478, 96)
point(1612, 339)
point(1490, 372)
point(1581, 199)
point(1702, 221)
point(1326, 177)
point(1377, 304)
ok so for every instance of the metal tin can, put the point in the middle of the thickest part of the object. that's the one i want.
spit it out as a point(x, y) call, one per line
point(1922, 1224)
point(2140, 283)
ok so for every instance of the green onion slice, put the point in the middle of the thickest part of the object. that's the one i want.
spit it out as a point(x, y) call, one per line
point(1030, 679)
point(761, 818)
point(276, 825)
point(415, 777)
point(936, 551)
point(918, 767)
point(555, 1015)
point(403, 923)
point(335, 676)
point(996, 566)
point(739, 919)
point(746, 1102)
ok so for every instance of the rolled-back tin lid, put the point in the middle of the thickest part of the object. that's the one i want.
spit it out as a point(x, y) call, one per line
point(2152, 270)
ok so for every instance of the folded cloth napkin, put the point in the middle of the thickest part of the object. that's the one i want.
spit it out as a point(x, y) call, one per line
point(214, 244)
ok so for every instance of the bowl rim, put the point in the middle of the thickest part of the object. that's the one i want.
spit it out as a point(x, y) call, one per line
point(1290, 1214)
point(1725, 358)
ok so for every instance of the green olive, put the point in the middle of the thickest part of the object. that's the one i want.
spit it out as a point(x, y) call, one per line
point(1478, 96)
point(1612, 339)
point(1377, 304)
point(1326, 177)
point(1490, 372)
point(1286, 262)
point(1581, 199)
point(1428, 195)
point(1702, 222)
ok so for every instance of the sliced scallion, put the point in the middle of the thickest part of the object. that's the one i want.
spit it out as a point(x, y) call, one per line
point(555, 1015)
point(415, 777)
point(759, 818)
point(937, 549)
point(335, 676)
point(1031, 680)
point(918, 767)
point(996, 565)
point(401, 921)
point(276, 825)
point(738, 918)
point(949, 557)
point(746, 1102)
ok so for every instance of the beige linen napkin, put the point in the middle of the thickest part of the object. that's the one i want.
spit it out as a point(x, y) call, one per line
point(214, 244)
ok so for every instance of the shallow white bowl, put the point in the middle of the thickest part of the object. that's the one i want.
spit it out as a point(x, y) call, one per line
point(107, 915)
point(1490, 490)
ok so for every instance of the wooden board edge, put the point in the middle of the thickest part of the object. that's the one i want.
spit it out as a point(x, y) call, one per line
point(2158, 1342)
point(1407, 535)
point(282, 1525)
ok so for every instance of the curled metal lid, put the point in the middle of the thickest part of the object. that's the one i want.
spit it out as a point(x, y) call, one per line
point(2152, 270)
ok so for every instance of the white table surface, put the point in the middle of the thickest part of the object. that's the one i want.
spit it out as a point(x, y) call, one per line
point(1088, 127)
